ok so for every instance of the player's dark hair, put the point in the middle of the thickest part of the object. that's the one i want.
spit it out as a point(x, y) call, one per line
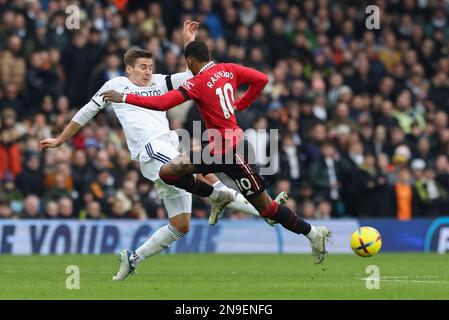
point(133, 54)
point(198, 50)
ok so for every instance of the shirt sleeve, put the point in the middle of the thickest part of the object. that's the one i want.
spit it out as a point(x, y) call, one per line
point(95, 104)
point(178, 79)
point(257, 81)
point(191, 88)
point(160, 103)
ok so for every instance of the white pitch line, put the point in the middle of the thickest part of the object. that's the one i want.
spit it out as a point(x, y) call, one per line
point(407, 280)
point(407, 277)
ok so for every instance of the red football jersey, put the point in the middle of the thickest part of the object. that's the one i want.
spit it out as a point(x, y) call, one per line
point(214, 89)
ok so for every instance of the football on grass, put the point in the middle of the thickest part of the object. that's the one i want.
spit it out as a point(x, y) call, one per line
point(366, 241)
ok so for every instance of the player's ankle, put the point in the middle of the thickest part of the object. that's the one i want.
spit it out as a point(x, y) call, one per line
point(313, 234)
point(215, 194)
point(135, 259)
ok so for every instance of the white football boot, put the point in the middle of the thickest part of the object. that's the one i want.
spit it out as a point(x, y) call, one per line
point(225, 197)
point(319, 244)
point(126, 268)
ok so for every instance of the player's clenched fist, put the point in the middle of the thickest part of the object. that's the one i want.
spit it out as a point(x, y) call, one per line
point(111, 96)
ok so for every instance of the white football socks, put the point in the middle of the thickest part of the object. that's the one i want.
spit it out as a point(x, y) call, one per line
point(240, 203)
point(215, 194)
point(158, 242)
point(313, 234)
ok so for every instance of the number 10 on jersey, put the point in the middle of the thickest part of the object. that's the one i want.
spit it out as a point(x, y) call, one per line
point(225, 95)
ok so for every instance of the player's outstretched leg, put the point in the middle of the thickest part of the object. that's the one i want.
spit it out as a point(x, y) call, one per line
point(158, 242)
point(281, 199)
point(318, 236)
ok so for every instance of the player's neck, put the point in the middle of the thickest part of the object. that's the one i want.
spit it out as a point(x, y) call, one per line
point(204, 66)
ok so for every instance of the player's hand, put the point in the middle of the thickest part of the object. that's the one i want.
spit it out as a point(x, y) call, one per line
point(189, 30)
point(111, 96)
point(49, 143)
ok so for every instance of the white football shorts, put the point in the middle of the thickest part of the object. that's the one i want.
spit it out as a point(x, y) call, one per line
point(155, 154)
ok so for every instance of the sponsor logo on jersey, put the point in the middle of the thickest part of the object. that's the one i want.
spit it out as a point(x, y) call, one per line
point(147, 93)
point(188, 85)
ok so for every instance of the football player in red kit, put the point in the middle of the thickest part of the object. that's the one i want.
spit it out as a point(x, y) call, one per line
point(213, 88)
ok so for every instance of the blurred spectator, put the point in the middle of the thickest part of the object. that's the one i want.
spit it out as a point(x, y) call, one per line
point(43, 79)
point(5, 210)
point(82, 173)
point(31, 208)
point(51, 210)
point(434, 199)
point(405, 114)
point(102, 188)
point(404, 197)
point(31, 179)
point(112, 68)
point(308, 210)
point(127, 194)
point(92, 211)
point(122, 166)
point(325, 174)
point(291, 161)
point(13, 67)
point(324, 209)
point(76, 59)
point(372, 189)
point(10, 153)
point(138, 211)
point(442, 171)
point(59, 189)
point(417, 166)
point(65, 208)
point(118, 210)
point(11, 99)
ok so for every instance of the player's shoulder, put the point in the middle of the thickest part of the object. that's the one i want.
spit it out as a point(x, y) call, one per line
point(117, 82)
point(157, 77)
point(227, 65)
point(195, 81)
point(222, 67)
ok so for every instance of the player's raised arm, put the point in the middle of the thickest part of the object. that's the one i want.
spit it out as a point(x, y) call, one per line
point(174, 81)
point(257, 81)
point(189, 31)
point(160, 103)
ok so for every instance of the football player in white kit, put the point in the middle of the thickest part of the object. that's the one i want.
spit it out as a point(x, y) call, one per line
point(153, 144)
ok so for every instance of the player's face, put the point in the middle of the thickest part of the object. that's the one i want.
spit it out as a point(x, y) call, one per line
point(141, 72)
point(192, 65)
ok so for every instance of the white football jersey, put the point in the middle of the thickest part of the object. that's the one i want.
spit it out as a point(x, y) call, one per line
point(140, 125)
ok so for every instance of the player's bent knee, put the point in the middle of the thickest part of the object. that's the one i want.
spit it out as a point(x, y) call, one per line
point(182, 226)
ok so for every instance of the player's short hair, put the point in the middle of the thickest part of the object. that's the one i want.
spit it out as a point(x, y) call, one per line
point(198, 50)
point(133, 54)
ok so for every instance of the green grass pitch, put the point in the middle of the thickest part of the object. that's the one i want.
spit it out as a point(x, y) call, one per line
point(228, 276)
